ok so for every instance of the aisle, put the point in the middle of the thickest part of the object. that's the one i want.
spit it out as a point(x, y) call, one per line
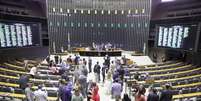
point(102, 89)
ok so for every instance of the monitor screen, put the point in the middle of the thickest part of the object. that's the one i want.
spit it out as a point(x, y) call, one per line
point(19, 34)
point(179, 36)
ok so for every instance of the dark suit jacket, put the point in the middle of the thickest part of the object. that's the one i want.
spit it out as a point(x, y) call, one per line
point(166, 95)
point(152, 97)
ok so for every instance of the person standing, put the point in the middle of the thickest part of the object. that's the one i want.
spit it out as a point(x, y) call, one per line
point(121, 72)
point(26, 64)
point(95, 94)
point(84, 61)
point(65, 89)
point(116, 90)
point(76, 60)
point(124, 60)
point(91, 85)
point(152, 95)
point(126, 98)
point(140, 94)
point(115, 75)
point(60, 59)
point(107, 62)
point(97, 72)
point(40, 95)
point(61, 94)
point(166, 95)
point(48, 59)
point(77, 96)
point(84, 70)
point(77, 73)
point(29, 92)
point(56, 59)
point(69, 60)
point(83, 84)
point(89, 64)
point(103, 71)
point(108, 83)
point(68, 89)
point(112, 67)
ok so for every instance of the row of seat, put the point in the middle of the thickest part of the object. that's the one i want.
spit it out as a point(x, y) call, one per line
point(52, 93)
point(9, 78)
point(162, 64)
point(171, 68)
point(185, 78)
point(156, 67)
point(173, 75)
point(22, 96)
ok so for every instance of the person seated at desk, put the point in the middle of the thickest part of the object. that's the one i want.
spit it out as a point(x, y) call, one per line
point(54, 69)
point(33, 71)
point(7, 91)
point(63, 67)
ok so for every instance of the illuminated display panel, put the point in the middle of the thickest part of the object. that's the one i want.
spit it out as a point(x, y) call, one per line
point(17, 34)
point(181, 36)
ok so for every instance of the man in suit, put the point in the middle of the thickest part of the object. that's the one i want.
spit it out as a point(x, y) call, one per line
point(89, 64)
point(152, 95)
point(97, 71)
point(166, 95)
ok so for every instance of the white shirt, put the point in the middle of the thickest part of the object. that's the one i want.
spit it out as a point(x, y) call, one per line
point(40, 95)
point(33, 71)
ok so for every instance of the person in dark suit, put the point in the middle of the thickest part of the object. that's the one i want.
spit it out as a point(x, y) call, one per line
point(56, 58)
point(103, 71)
point(152, 95)
point(89, 64)
point(126, 98)
point(166, 95)
point(97, 71)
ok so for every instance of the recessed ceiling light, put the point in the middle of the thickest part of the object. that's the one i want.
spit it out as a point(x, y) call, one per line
point(167, 0)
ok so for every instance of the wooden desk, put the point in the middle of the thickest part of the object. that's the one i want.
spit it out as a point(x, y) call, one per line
point(170, 80)
point(35, 80)
point(100, 53)
point(163, 70)
point(21, 96)
point(187, 95)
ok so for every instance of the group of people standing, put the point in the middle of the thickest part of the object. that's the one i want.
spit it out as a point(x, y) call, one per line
point(113, 71)
point(80, 87)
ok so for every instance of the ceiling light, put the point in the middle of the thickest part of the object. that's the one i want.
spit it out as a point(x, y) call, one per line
point(167, 0)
